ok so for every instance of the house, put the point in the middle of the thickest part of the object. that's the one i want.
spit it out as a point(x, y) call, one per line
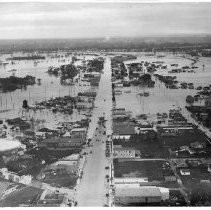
point(129, 194)
point(170, 178)
point(84, 99)
point(92, 74)
point(185, 172)
point(88, 94)
point(76, 140)
point(8, 146)
point(198, 145)
point(174, 130)
point(11, 176)
point(208, 102)
point(40, 134)
point(84, 105)
point(119, 113)
point(140, 130)
point(62, 143)
point(118, 84)
point(123, 130)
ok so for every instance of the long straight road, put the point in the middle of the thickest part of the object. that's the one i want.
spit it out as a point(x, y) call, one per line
point(93, 186)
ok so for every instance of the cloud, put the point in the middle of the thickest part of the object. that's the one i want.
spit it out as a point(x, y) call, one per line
point(67, 20)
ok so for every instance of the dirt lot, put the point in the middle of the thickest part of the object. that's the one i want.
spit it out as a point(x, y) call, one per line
point(154, 170)
point(183, 140)
point(23, 195)
point(61, 181)
point(148, 149)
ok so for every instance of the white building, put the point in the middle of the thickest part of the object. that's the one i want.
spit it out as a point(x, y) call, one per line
point(124, 152)
point(24, 179)
point(138, 194)
point(130, 180)
point(185, 172)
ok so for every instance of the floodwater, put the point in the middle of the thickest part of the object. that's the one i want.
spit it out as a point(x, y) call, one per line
point(94, 171)
point(11, 102)
point(161, 99)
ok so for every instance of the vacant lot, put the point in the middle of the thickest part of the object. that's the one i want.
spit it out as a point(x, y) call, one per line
point(154, 170)
point(23, 195)
point(148, 148)
point(183, 140)
point(61, 181)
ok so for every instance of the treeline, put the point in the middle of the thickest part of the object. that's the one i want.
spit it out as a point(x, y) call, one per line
point(142, 43)
point(33, 57)
point(12, 83)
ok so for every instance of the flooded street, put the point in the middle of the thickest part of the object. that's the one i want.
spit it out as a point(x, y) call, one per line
point(161, 98)
point(94, 171)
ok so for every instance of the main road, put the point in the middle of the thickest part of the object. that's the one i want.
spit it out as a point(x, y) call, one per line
point(92, 189)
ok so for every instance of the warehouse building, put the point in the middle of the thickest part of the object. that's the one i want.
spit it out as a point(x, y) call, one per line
point(136, 194)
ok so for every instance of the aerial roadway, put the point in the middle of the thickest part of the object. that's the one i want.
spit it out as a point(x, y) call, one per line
point(94, 185)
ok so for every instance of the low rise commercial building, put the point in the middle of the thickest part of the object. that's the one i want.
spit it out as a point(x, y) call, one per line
point(119, 113)
point(123, 130)
point(132, 194)
point(124, 152)
point(61, 143)
point(174, 130)
point(76, 140)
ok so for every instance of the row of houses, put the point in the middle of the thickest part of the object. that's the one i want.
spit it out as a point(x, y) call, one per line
point(76, 139)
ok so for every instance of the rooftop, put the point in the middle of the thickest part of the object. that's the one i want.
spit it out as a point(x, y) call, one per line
point(130, 190)
point(124, 148)
point(124, 128)
point(78, 129)
point(7, 145)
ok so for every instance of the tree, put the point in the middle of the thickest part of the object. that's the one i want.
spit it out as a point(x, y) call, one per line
point(201, 194)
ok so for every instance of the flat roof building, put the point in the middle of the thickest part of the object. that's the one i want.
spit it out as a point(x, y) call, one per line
point(131, 194)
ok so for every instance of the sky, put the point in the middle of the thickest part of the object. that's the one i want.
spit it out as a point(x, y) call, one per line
point(90, 20)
